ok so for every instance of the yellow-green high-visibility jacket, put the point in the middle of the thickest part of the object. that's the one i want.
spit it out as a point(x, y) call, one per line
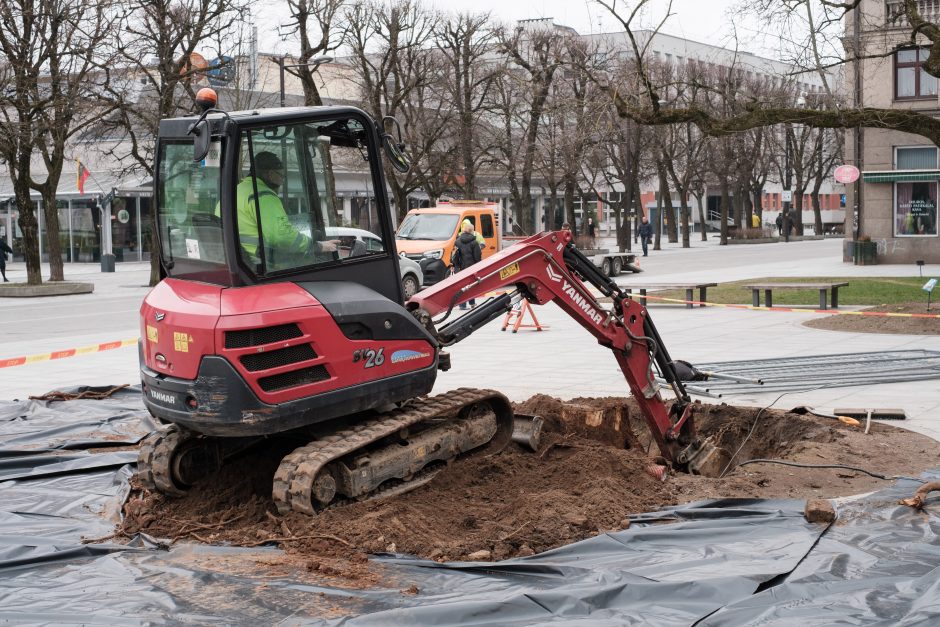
point(279, 234)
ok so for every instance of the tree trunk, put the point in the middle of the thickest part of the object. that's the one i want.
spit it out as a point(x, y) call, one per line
point(700, 200)
point(748, 209)
point(401, 201)
point(817, 212)
point(670, 217)
point(737, 204)
point(569, 207)
point(658, 226)
point(30, 228)
point(725, 207)
point(154, 247)
point(796, 217)
point(550, 212)
point(50, 212)
point(685, 211)
point(757, 203)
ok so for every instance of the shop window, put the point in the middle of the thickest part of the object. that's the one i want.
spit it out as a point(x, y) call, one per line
point(915, 209)
point(910, 79)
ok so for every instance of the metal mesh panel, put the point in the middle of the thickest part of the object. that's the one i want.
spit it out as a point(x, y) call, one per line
point(265, 335)
point(293, 379)
point(279, 357)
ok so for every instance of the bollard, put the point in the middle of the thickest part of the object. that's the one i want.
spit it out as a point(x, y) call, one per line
point(107, 263)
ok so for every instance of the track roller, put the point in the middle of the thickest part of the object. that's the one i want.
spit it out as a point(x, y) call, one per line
point(172, 459)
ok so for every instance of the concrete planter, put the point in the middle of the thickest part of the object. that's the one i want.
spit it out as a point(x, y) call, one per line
point(756, 240)
point(57, 288)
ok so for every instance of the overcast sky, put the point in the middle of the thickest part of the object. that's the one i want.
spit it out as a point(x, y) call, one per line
point(693, 19)
point(700, 20)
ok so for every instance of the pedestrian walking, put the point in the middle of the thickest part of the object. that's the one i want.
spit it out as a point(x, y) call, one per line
point(646, 234)
point(779, 222)
point(4, 249)
point(591, 228)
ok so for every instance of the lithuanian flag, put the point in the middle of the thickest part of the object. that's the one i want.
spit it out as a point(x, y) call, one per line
point(83, 175)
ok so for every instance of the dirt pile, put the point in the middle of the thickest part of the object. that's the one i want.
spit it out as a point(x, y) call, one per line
point(581, 482)
point(884, 324)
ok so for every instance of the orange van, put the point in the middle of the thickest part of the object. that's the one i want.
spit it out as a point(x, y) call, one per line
point(428, 235)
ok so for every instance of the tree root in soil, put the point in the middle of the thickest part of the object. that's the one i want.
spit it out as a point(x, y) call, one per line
point(917, 501)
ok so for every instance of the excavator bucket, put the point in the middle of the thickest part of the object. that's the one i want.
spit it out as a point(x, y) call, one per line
point(704, 458)
point(527, 430)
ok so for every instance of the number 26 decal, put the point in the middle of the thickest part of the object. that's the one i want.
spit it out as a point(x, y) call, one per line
point(371, 357)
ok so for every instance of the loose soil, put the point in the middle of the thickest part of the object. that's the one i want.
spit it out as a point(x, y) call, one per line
point(584, 480)
point(884, 324)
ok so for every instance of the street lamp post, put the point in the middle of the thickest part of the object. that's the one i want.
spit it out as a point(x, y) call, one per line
point(314, 63)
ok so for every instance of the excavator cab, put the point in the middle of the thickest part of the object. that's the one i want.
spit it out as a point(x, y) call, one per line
point(263, 203)
point(267, 318)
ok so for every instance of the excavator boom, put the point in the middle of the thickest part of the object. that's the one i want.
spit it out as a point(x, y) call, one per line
point(547, 267)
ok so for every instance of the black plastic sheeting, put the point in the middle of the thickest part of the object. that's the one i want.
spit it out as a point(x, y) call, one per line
point(64, 472)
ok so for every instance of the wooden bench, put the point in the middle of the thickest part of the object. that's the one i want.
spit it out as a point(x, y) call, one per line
point(768, 288)
point(688, 287)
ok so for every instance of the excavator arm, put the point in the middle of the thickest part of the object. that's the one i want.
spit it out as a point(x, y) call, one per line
point(547, 267)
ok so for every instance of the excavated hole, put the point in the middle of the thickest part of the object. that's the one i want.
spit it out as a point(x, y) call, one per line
point(589, 476)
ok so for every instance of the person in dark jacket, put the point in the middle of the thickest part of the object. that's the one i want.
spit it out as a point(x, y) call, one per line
point(591, 230)
point(646, 234)
point(466, 252)
point(4, 249)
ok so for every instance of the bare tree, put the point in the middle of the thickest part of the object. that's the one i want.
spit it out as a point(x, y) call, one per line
point(391, 51)
point(534, 56)
point(465, 40)
point(827, 153)
point(319, 27)
point(155, 77)
point(50, 49)
point(761, 112)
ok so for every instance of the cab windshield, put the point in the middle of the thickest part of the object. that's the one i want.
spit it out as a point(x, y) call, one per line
point(292, 210)
point(428, 226)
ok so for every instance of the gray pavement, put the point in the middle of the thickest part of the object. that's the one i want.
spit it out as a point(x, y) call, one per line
point(563, 360)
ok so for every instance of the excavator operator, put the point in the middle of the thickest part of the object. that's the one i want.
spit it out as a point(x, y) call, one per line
point(281, 240)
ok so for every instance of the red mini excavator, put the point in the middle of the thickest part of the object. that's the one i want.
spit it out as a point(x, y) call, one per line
point(281, 315)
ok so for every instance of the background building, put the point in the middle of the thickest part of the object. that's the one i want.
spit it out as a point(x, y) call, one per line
point(896, 198)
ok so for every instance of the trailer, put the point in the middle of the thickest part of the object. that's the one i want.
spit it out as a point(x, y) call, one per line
point(612, 263)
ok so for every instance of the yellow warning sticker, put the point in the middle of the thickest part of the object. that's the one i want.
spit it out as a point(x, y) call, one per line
point(181, 342)
point(509, 270)
point(152, 334)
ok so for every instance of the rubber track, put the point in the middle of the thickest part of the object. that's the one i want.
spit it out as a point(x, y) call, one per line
point(153, 461)
point(293, 481)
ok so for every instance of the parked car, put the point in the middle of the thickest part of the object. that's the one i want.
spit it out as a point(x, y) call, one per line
point(411, 276)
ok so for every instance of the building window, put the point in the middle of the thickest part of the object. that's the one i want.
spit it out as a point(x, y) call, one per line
point(916, 158)
point(910, 79)
point(915, 209)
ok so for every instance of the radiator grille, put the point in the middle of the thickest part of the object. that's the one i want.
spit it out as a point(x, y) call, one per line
point(279, 357)
point(293, 379)
point(265, 335)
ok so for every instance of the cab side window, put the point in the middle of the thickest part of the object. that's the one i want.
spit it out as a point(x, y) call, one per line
point(486, 224)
